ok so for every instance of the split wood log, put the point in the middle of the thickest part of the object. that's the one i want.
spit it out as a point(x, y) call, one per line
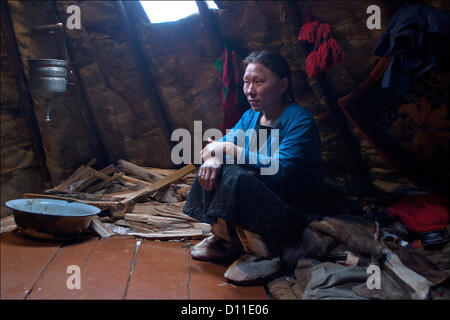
point(122, 227)
point(183, 190)
point(80, 173)
point(84, 196)
point(173, 211)
point(104, 183)
point(114, 186)
point(122, 223)
point(153, 219)
point(136, 217)
point(119, 211)
point(174, 226)
point(135, 170)
point(130, 197)
point(160, 171)
point(100, 228)
point(145, 208)
point(135, 180)
point(93, 176)
point(188, 179)
point(167, 195)
point(180, 204)
point(194, 230)
point(7, 224)
point(140, 226)
point(191, 233)
point(82, 178)
point(160, 184)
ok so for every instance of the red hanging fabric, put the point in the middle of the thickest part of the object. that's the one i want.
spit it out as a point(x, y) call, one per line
point(308, 31)
point(322, 33)
point(327, 51)
point(324, 56)
point(336, 50)
point(312, 65)
point(231, 78)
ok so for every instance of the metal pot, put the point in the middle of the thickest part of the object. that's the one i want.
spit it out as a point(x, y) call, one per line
point(52, 219)
point(48, 77)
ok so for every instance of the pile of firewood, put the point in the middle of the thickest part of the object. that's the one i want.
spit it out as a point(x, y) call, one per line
point(139, 201)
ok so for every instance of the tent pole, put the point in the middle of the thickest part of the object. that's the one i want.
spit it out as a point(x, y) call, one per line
point(24, 93)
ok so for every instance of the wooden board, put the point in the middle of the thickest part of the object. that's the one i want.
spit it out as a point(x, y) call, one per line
point(22, 262)
point(208, 282)
point(106, 273)
point(160, 270)
point(52, 284)
point(153, 260)
point(160, 184)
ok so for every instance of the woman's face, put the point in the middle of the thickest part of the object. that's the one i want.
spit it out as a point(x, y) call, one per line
point(262, 87)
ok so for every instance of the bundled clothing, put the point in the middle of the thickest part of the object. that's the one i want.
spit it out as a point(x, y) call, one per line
point(423, 272)
point(421, 213)
point(417, 39)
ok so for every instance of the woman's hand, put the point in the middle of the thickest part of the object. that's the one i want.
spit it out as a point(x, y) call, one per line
point(208, 175)
point(212, 149)
point(218, 149)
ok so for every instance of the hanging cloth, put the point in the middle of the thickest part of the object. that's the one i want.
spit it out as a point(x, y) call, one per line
point(234, 104)
point(417, 38)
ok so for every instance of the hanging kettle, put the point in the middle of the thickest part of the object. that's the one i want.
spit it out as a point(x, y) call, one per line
point(48, 77)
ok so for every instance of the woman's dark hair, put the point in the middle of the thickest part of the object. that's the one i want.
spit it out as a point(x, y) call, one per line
point(276, 63)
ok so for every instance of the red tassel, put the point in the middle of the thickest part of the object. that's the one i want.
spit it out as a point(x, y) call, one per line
point(336, 50)
point(324, 56)
point(312, 65)
point(329, 53)
point(308, 31)
point(322, 33)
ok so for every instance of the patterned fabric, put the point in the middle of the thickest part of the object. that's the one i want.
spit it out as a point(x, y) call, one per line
point(412, 131)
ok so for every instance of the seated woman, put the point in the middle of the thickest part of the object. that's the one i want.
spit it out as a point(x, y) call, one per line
point(244, 204)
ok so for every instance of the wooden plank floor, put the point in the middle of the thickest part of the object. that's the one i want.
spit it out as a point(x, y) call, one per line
point(112, 268)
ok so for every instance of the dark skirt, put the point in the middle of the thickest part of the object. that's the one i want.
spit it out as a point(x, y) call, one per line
point(242, 199)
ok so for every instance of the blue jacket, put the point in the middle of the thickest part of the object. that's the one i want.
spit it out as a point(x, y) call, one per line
point(297, 160)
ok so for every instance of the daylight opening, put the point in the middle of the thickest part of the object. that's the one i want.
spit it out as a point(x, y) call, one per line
point(164, 11)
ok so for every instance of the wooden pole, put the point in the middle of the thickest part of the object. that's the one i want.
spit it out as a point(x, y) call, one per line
point(25, 97)
point(212, 26)
point(145, 66)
